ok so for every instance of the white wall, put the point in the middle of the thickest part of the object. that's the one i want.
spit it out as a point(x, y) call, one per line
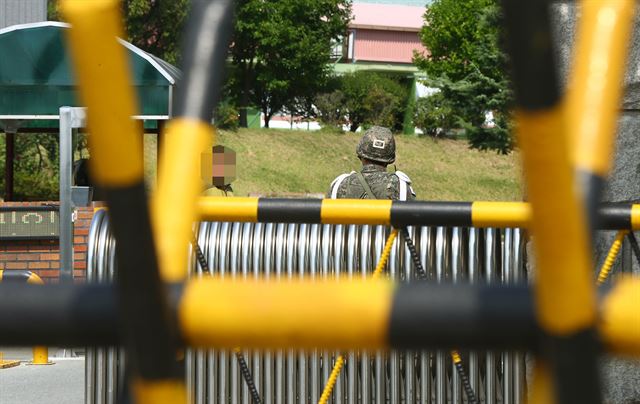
point(14, 12)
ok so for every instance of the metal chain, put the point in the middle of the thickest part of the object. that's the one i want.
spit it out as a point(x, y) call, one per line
point(244, 369)
point(199, 255)
point(421, 274)
point(634, 245)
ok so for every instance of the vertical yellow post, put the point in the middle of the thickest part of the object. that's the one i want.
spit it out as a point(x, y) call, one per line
point(595, 89)
point(179, 186)
point(40, 356)
point(103, 73)
point(190, 133)
point(564, 290)
point(40, 353)
point(9, 363)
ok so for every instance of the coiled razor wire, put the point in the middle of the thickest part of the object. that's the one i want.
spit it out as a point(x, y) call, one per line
point(244, 369)
point(277, 250)
point(455, 356)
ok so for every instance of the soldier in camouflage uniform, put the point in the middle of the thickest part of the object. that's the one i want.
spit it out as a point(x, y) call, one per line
point(376, 150)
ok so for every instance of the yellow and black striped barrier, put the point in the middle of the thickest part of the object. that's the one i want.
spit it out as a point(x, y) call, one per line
point(20, 276)
point(214, 313)
point(563, 309)
point(190, 134)
point(611, 216)
point(564, 186)
point(103, 74)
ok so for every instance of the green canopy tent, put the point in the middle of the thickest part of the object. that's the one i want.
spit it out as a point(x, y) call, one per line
point(36, 79)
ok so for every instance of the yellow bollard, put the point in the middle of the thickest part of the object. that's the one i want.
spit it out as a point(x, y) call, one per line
point(40, 356)
point(9, 363)
point(40, 353)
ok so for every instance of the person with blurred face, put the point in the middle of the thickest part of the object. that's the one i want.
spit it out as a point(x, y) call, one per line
point(223, 171)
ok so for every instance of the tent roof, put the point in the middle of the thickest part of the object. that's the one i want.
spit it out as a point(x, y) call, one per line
point(36, 77)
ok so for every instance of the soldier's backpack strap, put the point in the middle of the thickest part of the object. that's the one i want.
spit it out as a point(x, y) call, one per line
point(405, 185)
point(336, 184)
point(365, 185)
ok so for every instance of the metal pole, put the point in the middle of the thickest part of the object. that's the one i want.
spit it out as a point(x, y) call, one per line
point(425, 366)
point(474, 276)
point(490, 267)
point(456, 275)
point(352, 358)
point(10, 156)
point(441, 371)
point(66, 221)
point(394, 356)
point(507, 356)
point(518, 276)
point(380, 362)
point(365, 359)
point(409, 356)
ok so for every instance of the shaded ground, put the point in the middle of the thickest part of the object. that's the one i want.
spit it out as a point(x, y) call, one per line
point(61, 383)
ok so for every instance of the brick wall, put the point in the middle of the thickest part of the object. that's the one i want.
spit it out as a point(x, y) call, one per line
point(43, 256)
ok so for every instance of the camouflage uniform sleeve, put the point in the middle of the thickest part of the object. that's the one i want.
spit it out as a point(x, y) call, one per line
point(340, 185)
point(393, 188)
point(400, 176)
point(342, 189)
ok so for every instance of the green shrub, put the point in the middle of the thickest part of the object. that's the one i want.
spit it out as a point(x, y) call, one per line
point(226, 116)
point(331, 109)
point(364, 99)
point(36, 171)
point(373, 99)
point(434, 116)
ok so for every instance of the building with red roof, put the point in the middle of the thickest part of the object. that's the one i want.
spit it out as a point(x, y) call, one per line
point(386, 33)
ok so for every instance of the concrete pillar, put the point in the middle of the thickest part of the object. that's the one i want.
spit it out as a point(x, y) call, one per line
point(621, 377)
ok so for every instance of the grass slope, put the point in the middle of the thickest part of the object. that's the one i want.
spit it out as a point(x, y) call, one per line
point(285, 162)
point(281, 162)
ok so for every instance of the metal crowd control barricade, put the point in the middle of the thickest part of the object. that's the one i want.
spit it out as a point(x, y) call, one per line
point(281, 251)
point(104, 367)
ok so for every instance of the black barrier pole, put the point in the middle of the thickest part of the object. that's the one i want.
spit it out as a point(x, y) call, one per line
point(423, 316)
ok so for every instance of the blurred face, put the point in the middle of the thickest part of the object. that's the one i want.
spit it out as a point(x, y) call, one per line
point(223, 166)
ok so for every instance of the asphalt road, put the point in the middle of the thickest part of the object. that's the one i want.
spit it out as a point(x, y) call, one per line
point(60, 383)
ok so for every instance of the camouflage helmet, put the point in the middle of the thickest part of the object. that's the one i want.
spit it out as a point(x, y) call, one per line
point(377, 144)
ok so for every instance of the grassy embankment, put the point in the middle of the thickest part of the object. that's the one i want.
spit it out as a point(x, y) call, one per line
point(283, 162)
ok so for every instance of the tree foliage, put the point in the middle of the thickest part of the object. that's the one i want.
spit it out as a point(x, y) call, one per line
point(36, 169)
point(281, 51)
point(364, 99)
point(156, 26)
point(467, 64)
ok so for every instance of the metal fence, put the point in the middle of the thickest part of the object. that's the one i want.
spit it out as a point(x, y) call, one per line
point(279, 251)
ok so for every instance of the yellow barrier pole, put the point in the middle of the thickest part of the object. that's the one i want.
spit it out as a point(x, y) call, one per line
point(620, 320)
point(363, 313)
point(40, 353)
point(116, 142)
point(611, 216)
point(190, 134)
point(179, 185)
point(564, 291)
point(384, 257)
point(595, 86)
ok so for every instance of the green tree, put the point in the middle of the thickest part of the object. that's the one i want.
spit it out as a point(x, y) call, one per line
point(154, 26)
point(281, 51)
point(371, 98)
point(36, 169)
point(467, 64)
